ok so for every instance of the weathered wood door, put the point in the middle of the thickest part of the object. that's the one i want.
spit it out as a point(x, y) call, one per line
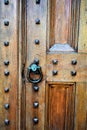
point(49, 36)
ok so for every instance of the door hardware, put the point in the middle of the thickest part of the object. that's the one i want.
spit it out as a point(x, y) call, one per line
point(6, 23)
point(6, 43)
point(6, 2)
point(36, 61)
point(37, 1)
point(74, 62)
point(37, 41)
point(55, 62)
point(7, 122)
point(35, 104)
point(6, 73)
point(54, 72)
point(6, 62)
point(34, 70)
point(6, 90)
point(36, 88)
point(6, 106)
point(37, 21)
point(35, 120)
point(73, 73)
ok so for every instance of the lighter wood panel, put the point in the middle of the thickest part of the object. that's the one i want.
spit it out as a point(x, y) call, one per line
point(82, 44)
point(64, 67)
point(81, 106)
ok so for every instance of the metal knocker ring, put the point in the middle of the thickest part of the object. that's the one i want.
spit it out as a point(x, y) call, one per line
point(35, 70)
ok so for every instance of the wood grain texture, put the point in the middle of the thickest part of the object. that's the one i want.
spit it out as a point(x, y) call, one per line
point(81, 106)
point(61, 104)
point(8, 33)
point(65, 67)
point(63, 22)
point(82, 43)
point(36, 51)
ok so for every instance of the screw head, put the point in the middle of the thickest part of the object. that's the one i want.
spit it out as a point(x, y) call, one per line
point(6, 90)
point(37, 1)
point(74, 62)
point(6, 62)
point(35, 120)
point(36, 88)
point(37, 41)
point(6, 106)
point(6, 73)
point(7, 122)
point(6, 2)
point(6, 22)
point(6, 43)
point(55, 62)
point(37, 21)
point(36, 61)
point(35, 104)
point(73, 73)
point(54, 72)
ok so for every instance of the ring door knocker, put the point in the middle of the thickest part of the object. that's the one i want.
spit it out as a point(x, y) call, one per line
point(35, 70)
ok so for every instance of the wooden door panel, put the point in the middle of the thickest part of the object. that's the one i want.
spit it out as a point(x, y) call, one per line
point(65, 67)
point(8, 64)
point(60, 106)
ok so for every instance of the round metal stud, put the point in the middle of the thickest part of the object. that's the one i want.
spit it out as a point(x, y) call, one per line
point(73, 73)
point(36, 88)
point(6, 22)
point(37, 41)
point(6, 73)
point(54, 72)
point(35, 120)
point(37, 21)
point(7, 122)
point(6, 90)
point(55, 62)
point(37, 1)
point(74, 62)
point(6, 106)
point(6, 43)
point(36, 61)
point(35, 104)
point(6, 62)
point(6, 2)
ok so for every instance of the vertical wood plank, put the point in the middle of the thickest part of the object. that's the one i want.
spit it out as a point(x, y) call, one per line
point(9, 33)
point(82, 44)
point(35, 31)
point(81, 106)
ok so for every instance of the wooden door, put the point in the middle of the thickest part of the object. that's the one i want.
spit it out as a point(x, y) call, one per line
point(52, 36)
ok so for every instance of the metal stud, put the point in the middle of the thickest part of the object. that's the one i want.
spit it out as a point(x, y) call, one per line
point(35, 120)
point(73, 73)
point(6, 2)
point(54, 72)
point(6, 62)
point(6, 22)
point(37, 1)
point(35, 104)
point(37, 42)
point(55, 62)
point(6, 43)
point(36, 61)
point(74, 62)
point(6, 90)
point(6, 106)
point(7, 122)
point(6, 73)
point(36, 88)
point(37, 21)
